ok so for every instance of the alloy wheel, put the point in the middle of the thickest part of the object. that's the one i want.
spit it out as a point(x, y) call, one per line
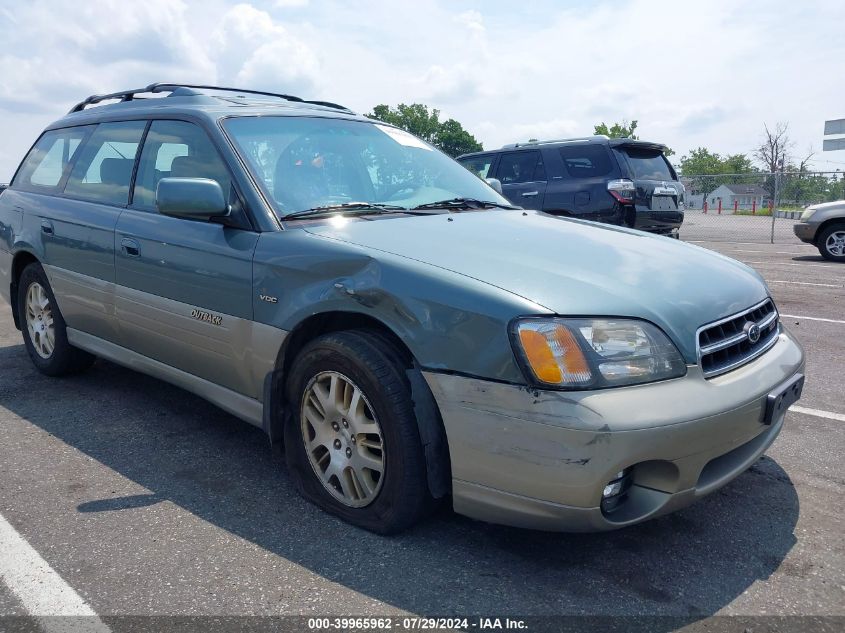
point(835, 243)
point(39, 321)
point(343, 439)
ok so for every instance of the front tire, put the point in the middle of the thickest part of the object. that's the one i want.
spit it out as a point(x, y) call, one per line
point(831, 242)
point(44, 329)
point(352, 443)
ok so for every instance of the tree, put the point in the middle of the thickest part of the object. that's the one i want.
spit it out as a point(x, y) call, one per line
point(701, 161)
point(617, 130)
point(454, 140)
point(737, 164)
point(704, 170)
point(774, 152)
point(416, 118)
point(623, 130)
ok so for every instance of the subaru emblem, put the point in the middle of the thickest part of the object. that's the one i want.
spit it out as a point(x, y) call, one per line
point(752, 331)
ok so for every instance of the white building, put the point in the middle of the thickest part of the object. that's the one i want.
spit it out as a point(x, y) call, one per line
point(744, 195)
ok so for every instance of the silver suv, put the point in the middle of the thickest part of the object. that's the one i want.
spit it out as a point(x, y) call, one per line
point(823, 226)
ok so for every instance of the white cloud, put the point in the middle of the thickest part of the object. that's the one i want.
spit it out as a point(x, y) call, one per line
point(254, 51)
point(692, 74)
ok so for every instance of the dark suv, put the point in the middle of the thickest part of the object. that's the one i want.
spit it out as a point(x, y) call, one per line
point(617, 181)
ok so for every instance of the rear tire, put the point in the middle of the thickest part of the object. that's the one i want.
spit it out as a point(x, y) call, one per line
point(44, 329)
point(352, 443)
point(831, 242)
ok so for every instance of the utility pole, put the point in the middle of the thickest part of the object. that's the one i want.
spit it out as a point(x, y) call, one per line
point(776, 199)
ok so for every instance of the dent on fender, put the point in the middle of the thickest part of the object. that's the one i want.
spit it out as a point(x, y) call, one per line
point(440, 315)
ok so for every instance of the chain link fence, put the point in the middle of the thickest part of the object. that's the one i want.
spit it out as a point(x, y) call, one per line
point(753, 207)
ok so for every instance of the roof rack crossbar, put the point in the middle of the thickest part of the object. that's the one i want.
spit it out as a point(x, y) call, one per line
point(128, 95)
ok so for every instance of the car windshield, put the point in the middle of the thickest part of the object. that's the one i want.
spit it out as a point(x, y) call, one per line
point(309, 162)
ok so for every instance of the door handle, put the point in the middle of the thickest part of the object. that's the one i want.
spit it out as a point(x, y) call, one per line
point(130, 247)
point(530, 194)
point(46, 227)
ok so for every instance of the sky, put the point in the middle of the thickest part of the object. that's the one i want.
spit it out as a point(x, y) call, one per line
point(704, 73)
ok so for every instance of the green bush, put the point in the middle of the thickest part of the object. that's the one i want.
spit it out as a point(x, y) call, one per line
point(765, 211)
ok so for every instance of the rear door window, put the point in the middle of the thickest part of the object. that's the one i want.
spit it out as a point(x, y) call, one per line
point(648, 164)
point(45, 165)
point(519, 167)
point(479, 165)
point(586, 161)
point(103, 171)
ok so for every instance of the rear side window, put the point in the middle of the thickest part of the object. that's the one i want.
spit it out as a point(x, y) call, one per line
point(648, 165)
point(586, 161)
point(45, 165)
point(176, 149)
point(480, 165)
point(103, 171)
point(519, 167)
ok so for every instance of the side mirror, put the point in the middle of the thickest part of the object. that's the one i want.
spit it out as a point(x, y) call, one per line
point(496, 184)
point(194, 198)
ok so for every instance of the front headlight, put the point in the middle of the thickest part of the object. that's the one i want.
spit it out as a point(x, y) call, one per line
point(808, 213)
point(595, 353)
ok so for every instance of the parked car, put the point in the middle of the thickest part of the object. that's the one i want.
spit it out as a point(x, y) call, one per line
point(618, 181)
point(823, 226)
point(404, 332)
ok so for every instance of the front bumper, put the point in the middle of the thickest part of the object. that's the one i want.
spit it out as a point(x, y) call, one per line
point(805, 232)
point(540, 459)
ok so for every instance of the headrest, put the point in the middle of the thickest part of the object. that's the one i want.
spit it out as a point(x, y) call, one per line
point(116, 171)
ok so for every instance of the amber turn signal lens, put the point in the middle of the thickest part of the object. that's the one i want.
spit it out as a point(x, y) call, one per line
point(553, 354)
point(540, 356)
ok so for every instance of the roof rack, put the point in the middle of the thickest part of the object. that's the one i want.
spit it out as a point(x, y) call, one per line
point(557, 140)
point(129, 95)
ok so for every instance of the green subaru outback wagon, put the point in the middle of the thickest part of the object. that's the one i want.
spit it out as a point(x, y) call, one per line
point(404, 333)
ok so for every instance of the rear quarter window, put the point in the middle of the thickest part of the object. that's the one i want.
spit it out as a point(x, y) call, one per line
point(44, 167)
point(586, 161)
point(648, 164)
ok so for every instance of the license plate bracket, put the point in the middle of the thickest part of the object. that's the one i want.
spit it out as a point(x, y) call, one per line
point(663, 203)
point(781, 398)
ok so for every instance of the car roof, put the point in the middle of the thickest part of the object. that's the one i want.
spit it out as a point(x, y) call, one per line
point(210, 102)
point(565, 142)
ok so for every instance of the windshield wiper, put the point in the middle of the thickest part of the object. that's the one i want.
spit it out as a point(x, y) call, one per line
point(372, 207)
point(463, 203)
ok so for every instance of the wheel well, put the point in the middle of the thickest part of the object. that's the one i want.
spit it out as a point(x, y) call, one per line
point(827, 223)
point(19, 263)
point(320, 324)
point(432, 432)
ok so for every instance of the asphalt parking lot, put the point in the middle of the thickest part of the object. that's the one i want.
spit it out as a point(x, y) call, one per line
point(145, 500)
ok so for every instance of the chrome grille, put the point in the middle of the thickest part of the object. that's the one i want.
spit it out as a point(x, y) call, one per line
point(726, 345)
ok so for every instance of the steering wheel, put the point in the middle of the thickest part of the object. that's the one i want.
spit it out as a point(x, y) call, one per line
point(393, 192)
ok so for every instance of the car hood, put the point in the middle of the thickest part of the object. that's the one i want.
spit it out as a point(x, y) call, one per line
point(825, 206)
point(571, 267)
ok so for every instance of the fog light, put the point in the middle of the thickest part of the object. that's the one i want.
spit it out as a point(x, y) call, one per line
point(614, 491)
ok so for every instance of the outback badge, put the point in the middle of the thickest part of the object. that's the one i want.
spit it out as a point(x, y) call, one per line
point(201, 315)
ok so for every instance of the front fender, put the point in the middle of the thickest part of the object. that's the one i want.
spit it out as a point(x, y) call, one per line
point(449, 322)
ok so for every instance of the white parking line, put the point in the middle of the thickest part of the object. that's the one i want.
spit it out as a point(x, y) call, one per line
point(801, 283)
point(803, 265)
point(796, 316)
point(726, 243)
point(818, 413)
point(41, 591)
point(740, 250)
